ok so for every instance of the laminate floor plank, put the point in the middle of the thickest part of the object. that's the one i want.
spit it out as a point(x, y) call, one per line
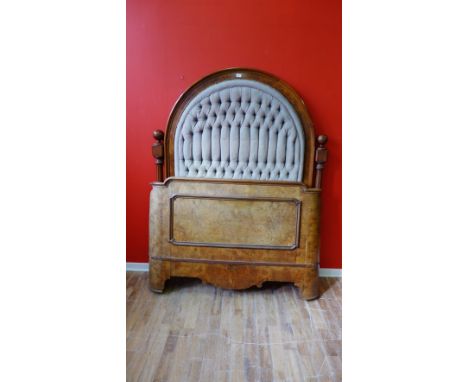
point(198, 333)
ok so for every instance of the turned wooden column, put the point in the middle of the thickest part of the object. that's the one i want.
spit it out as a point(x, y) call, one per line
point(158, 154)
point(321, 154)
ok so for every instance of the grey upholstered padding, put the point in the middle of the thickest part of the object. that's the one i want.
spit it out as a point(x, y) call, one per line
point(239, 129)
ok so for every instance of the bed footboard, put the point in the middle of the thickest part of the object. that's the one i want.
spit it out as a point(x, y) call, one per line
point(234, 234)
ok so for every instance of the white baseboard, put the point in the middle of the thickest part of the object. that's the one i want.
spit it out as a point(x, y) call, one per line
point(324, 272)
point(137, 267)
point(330, 272)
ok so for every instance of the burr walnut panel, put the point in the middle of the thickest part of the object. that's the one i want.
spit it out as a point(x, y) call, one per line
point(234, 234)
point(241, 222)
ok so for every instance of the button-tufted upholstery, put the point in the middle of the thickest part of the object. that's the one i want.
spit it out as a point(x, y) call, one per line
point(239, 129)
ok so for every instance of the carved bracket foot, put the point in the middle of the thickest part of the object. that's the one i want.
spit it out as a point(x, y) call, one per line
point(309, 287)
point(159, 272)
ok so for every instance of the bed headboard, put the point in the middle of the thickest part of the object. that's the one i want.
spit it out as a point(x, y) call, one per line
point(240, 124)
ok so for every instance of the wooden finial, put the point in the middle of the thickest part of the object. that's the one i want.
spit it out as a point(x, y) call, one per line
point(322, 140)
point(321, 155)
point(158, 153)
point(158, 135)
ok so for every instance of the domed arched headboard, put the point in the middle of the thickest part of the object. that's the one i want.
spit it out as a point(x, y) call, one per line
point(240, 124)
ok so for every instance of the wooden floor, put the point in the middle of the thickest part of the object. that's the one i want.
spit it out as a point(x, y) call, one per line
point(196, 332)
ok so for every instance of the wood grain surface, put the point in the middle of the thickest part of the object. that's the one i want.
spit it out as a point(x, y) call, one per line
point(203, 228)
point(245, 222)
point(196, 332)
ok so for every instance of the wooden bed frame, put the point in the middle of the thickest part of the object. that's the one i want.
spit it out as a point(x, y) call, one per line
point(236, 233)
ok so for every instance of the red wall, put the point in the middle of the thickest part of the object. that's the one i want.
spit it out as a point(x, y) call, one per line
point(171, 44)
